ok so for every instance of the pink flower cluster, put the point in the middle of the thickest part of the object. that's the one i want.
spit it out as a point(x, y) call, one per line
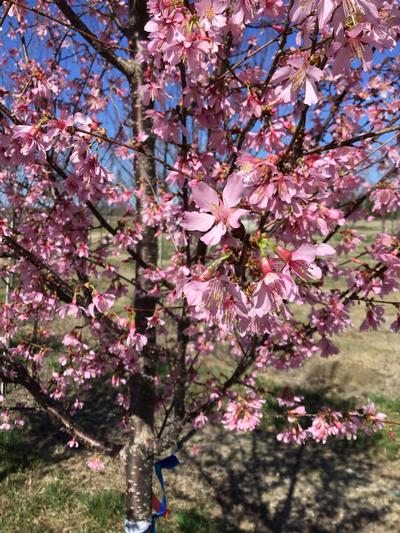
point(328, 423)
point(243, 413)
point(217, 294)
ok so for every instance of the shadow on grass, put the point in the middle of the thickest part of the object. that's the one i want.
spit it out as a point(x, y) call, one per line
point(15, 454)
point(263, 486)
point(38, 440)
point(257, 483)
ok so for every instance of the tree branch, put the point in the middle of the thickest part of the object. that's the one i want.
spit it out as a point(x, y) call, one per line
point(124, 66)
point(348, 142)
point(55, 411)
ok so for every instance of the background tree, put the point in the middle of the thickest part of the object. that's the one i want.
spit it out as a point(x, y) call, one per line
point(241, 137)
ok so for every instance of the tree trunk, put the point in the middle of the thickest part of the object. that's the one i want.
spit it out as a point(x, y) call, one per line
point(140, 451)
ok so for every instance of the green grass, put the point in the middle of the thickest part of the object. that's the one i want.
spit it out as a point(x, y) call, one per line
point(15, 455)
point(104, 507)
point(37, 497)
point(191, 521)
point(53, 505)
point(382, 440)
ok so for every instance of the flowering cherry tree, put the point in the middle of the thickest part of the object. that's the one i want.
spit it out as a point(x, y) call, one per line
point(245, 137)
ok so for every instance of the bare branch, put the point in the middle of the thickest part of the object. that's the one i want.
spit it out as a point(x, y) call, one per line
point(121, 64)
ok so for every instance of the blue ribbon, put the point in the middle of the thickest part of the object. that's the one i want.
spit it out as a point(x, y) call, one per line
point(169, 463)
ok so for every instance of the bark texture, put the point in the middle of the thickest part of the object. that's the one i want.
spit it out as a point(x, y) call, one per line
point(140, 451)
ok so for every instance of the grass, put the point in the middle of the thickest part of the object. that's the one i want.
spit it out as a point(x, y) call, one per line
point(15, 455)
point(37, 496)
point(104, 507)
point(191, 521)
point(31, 502)
point(382, 440)
point(57, 505)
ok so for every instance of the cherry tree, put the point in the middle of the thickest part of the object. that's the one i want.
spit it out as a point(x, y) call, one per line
point(178, 180)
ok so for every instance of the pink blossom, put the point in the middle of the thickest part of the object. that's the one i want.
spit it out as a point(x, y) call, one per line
point(301, 261)
point(326, 424)
point(294, 414)
point(356, 44)
point(31, 141)
point(60, 125)
point(200, 421)
point(327, 347)
point(95, 464)
point(247, 10)
point(375, 318)
point(271, 291)
point(4, 231)
point(253, 103)
point(88, 167)
point(71, 310)
point(73, 443)
point(5, 425)
point(101, 302)
point(154, 321)
point(135, 339)
point(216, 215)
point(295, 434)
point(298, 74)
point(218, 296)
point(212, 13)
point(372, 419)
point(287, 398)
point(191, 47)
point(302, 9)
point(151, 92)
point(243, 414)
point(353, 10)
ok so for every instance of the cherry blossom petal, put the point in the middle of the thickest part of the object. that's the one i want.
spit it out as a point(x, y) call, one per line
point(194, 291)
point(214, 235)
point(233, 191)
point(300, 10)
point(323, 249)
point(262, 303)
point(341, 61)
point(195, 221)
point(325, 10)
point(233, 220)
point(314, 73)
point(296, 62)
point(204, 195)
point(314, 271)
point(311, 96)
point(286, 93)
point(282, 74)
point(306, 252)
